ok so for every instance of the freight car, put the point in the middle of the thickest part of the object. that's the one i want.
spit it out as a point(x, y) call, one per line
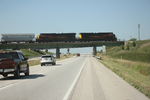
point(56, 37)
point(14, 37)
point(109, 36)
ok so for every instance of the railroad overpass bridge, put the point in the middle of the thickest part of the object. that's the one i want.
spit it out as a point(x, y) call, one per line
point(59, 45)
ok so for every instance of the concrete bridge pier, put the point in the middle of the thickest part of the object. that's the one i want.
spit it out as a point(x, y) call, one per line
point(58, 52)
point(94, 50)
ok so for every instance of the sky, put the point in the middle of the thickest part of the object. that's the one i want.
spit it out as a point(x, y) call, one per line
point(37, 16)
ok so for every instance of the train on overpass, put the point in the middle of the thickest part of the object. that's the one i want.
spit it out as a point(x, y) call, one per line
point(56, 37)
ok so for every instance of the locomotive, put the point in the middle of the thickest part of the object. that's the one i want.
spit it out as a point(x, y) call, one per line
point(57, 37)
point(109, 36)
point(54, 37)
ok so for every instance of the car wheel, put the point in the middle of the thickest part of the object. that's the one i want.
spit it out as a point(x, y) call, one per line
point(41, 64)
point(17, 73)
point(54, 63)
point(5, 75)
point(27, 72)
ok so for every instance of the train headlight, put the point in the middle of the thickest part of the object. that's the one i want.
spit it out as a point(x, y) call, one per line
point(38, 36)
point(80, 36)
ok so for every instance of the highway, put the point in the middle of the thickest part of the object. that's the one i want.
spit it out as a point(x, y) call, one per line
point(76, 78)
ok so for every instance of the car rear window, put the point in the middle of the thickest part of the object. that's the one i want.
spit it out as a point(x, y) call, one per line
point(46, 56)
point(11, 55)
point(5, 55)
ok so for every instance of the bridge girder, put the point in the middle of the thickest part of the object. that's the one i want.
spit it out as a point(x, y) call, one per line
point(53, 45)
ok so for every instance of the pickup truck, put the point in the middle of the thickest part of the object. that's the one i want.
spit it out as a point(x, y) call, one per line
point(13, 62)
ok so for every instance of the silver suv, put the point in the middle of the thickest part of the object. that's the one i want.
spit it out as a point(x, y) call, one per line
point(48, 59)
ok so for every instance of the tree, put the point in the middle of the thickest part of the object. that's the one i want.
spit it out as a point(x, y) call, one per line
point(128, 47)
point(46, 50)
point(132, 39)
point(123, 47)
point(134, 44)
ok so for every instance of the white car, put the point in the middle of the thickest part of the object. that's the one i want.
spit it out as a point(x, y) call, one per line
point(48, 59)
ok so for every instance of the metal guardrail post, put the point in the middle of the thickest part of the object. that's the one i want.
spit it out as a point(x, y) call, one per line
point(94, 50)
point(58, 52)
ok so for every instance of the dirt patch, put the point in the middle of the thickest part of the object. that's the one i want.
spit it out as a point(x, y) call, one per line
point(145, 45)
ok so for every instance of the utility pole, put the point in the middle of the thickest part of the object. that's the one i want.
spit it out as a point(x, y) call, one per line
point(139, 31)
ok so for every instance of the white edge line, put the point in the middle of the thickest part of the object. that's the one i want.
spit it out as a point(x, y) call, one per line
point(7, 86)
point(73, 84)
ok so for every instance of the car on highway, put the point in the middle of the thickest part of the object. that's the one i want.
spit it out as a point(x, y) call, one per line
point(48, 59)
point(78, 54)
point(13, 62)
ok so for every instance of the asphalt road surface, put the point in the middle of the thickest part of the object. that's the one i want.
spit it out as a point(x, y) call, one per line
point(76, 78)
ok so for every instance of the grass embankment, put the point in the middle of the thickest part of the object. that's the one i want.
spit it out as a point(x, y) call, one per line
point(140, 52)
point(132, 64)
point(32, 53)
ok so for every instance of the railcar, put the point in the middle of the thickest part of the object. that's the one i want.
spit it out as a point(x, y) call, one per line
point(109, 36)
point(17, 37)
point(56, 37)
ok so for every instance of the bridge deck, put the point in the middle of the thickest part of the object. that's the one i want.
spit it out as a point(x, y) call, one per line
point(52, 45)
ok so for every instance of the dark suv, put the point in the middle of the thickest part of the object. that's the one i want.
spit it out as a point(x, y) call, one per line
point(13, 63)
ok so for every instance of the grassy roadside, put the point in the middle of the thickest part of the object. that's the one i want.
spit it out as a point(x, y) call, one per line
point(132, 64)
point(66, 56)
point(34, 62)
point(140, 52)
point(135, 73)
point(32, 53)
